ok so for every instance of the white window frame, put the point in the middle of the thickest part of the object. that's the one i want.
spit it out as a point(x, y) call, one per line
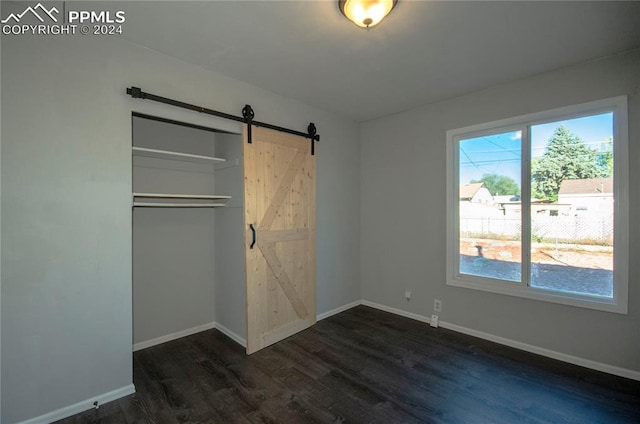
point(619, 302)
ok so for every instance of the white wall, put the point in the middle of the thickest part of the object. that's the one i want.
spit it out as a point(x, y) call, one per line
point(66, 206)
point(403, 215)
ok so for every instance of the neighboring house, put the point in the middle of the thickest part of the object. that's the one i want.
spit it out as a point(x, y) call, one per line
point(509, 204)
point(475, 193)
point(509, 198)
point(512, 206)
point(589, 195)
point(476, 205)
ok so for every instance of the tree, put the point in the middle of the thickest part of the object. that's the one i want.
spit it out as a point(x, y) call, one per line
point(499, 184)
point(566, 157)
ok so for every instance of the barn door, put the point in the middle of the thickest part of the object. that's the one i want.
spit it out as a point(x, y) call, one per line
point(280, 205)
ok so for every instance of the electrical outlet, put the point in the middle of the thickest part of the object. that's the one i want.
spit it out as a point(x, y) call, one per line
point(434, 321)
point(407, 295)
point(437, 305)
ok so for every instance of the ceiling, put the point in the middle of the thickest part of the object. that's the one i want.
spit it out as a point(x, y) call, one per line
point(423, 52)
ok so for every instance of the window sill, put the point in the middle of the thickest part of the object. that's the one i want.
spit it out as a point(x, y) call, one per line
point(520, 290)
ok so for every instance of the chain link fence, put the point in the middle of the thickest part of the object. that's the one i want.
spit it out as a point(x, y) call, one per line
point(579, 229)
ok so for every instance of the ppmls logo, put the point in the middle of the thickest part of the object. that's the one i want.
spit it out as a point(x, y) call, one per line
point(85, 22)
point(33, 11)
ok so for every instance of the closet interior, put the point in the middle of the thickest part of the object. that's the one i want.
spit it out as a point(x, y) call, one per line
point(188, 231)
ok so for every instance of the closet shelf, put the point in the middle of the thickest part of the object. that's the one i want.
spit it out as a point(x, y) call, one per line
point(166, 154)
point(181, 196)
point(178, 205)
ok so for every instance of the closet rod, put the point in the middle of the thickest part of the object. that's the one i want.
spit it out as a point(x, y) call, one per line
point(247, 118)
point(178, 205)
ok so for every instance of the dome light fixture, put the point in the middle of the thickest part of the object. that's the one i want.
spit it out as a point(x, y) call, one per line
point(366, 13)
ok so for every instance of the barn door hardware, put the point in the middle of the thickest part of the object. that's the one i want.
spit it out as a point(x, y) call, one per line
point(247, 115)
point(312, 131)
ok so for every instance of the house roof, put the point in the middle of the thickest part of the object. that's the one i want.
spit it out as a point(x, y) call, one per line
point(467, 191)
point(587, 186)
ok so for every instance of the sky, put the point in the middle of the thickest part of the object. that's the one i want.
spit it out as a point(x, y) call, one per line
point(500, 153)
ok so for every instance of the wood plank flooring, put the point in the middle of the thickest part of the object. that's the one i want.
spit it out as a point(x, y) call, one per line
point(364, 366)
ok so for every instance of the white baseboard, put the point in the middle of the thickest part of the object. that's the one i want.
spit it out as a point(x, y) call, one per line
point(82, 406)
point(233, 336)
point(337, 310)
point(400, 312)
point(173, 336)
point(576, 360)
point(241, 341)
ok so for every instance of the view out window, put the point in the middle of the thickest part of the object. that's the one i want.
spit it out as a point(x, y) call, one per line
point(538, 206)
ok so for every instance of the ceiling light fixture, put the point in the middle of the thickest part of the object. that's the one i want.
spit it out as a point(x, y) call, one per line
point(366, 13)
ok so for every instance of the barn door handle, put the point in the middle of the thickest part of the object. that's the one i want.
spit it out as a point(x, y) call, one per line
point(253, 236)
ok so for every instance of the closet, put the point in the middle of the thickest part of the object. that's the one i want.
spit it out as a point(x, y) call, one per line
point(187, 230)
point(223, 233)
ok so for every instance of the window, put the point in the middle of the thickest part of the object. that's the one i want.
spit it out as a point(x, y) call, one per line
point(538, 206)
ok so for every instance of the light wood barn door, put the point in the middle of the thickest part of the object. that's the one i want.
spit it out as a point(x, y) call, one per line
point(280, 204)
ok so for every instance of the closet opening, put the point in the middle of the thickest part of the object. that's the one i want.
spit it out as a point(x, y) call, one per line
point(187, 235)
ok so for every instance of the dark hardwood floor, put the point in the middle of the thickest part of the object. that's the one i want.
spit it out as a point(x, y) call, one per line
point(364, 366)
